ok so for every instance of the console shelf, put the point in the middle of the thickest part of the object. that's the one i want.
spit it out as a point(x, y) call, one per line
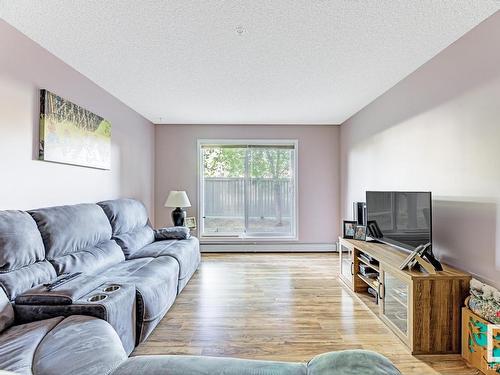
point(374, 266)
point(422, 309)
point(370, 282)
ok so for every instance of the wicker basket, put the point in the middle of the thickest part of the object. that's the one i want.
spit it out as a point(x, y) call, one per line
point(480, 350)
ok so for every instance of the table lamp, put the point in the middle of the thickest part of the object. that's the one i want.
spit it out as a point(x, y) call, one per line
point(178, 199)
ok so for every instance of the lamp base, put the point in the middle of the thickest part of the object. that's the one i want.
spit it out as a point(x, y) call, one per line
point(178, 216)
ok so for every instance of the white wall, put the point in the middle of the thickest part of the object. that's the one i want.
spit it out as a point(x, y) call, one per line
point(318, 170)
point(26, 182)
point(439, 130)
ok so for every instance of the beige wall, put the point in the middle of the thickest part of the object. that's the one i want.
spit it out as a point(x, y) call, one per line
point(439, 130)
point(26, 182)
point(318, 159)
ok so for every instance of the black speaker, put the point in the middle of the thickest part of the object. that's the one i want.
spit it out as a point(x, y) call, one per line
point(359, 212)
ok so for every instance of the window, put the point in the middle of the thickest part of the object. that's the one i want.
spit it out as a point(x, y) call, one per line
point(247, 189)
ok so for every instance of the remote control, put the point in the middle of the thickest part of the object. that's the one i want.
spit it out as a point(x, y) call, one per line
point(62, 280)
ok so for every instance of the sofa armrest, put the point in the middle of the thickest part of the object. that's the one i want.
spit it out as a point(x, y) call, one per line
point(114, 303)
point(65, 294)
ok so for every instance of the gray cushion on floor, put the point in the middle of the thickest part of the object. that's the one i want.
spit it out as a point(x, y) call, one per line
point(192, 365)
point(130, 223)
point(19, 343)
point(351, 362)
point(79, 345)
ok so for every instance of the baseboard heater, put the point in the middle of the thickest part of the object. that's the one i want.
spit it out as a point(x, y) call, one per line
point(255, 247)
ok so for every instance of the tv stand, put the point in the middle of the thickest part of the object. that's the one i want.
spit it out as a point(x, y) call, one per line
point(422, 309)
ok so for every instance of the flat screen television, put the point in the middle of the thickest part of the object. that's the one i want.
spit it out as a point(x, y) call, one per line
point(401, 219)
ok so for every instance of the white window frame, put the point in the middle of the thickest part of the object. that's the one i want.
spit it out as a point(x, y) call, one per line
point(244, 237)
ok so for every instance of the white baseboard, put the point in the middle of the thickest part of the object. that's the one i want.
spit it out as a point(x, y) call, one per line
point(266, 247)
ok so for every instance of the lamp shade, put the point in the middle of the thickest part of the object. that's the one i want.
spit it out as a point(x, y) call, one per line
point(177, 199)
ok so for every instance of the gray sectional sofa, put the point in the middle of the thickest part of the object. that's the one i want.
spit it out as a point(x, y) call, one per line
point(124, 283)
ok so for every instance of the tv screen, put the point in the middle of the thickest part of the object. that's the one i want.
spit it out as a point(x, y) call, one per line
point(402, 219)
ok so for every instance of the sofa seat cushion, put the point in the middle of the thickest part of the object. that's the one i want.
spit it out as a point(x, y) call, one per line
point(351, 362)
point(94, 259)
point(186, 252)
point(155, 281)
point(130, 224)
point(193, 365)
point(79, 345)
point(77, 238)
point(19, 343)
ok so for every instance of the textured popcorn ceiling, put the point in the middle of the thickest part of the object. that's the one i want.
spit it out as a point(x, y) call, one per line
point(241, 62)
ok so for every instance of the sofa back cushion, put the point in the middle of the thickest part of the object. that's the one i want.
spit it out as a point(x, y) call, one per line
point(22, 254)
point(20, 241)
point(130, 224)
point(77, 238)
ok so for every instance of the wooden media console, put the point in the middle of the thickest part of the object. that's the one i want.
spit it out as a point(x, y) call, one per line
point(423, 309)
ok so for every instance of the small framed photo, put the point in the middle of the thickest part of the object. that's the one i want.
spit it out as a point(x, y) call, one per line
point(190, 222)
point(360, 233)
point(349, 228)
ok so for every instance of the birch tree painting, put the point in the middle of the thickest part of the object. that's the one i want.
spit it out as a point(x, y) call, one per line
point(71, 134)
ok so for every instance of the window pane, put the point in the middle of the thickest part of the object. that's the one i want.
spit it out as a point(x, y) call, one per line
point(270, 191)
point(224, 182)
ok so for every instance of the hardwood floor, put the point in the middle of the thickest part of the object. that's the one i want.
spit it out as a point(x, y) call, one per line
point(279, 307)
